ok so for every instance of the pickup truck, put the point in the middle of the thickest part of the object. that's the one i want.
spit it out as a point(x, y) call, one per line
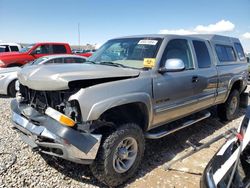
point(9, 47)
point(133, 88)
point(32, 52)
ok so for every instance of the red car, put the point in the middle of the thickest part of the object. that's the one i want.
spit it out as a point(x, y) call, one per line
point(32, 52)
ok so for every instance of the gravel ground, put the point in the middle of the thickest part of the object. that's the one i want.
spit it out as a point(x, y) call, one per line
point(33, 170)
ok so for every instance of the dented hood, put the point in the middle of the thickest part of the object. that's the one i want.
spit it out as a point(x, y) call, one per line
point(58, 76)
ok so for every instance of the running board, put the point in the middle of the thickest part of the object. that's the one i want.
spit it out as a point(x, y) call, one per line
point(160, 134)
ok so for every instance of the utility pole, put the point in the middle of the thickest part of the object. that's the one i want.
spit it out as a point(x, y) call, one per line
point(79, 36)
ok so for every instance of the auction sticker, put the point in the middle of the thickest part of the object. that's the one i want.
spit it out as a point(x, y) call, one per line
point(149, 62)
point(148, 42)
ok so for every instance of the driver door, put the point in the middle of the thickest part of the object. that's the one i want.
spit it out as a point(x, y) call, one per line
point(42, 50)
point(173, 91)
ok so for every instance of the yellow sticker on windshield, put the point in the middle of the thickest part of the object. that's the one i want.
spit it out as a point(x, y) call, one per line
point(149, 62)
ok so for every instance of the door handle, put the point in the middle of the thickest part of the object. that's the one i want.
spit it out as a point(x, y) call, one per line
point(195, 79)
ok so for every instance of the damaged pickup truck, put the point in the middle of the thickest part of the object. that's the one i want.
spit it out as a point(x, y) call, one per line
point(100, 112)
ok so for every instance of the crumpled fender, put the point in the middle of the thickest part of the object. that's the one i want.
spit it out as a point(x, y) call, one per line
point(98, 108)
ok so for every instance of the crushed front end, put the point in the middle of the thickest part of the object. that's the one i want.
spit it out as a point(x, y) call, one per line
point(49, 124)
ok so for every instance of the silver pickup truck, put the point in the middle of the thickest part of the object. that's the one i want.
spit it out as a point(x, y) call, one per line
point(100, 112)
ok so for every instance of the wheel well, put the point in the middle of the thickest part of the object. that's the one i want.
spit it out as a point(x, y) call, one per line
point(8, 89)
point(237, 85)
point(128, 113)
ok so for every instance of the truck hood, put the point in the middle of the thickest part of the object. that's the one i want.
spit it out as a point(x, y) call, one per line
point(63, 76)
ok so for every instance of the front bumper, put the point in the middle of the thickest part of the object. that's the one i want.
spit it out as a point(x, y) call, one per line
point(48, 136)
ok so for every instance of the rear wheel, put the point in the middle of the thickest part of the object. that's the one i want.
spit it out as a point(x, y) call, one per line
point(12, 89)
point(120, 155)
point(229, 110)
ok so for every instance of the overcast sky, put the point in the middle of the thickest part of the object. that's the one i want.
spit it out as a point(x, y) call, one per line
point(31, 21)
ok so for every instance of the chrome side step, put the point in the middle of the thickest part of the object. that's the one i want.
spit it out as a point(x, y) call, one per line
point(160, 134)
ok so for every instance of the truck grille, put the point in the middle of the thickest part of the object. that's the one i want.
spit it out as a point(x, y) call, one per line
point(40, 100)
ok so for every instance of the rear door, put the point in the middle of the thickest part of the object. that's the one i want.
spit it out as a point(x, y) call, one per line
point(206, 77)
point(59, 49)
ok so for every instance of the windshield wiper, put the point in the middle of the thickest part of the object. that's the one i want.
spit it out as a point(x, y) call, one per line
point(112, 64)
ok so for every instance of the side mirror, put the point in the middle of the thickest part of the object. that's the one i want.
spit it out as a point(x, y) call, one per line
point(36, 51)
point(172, 65)
point(33, 52)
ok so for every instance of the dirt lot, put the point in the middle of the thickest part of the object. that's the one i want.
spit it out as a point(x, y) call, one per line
point(34, 170)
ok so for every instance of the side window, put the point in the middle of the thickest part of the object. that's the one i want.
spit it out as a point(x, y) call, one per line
point(49, 62)
point(79, 60)
point(43, 49)
point(240, 51)
point(14, 48)
point(56, 60)
point(59, 49)
point(69, 60)
point(202, 54)
point(5, 48)
point(225, 53)
point(2, 49)
point(178, 49)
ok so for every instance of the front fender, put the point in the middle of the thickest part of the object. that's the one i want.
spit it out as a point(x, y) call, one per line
point(94, 111)
point(4, 83)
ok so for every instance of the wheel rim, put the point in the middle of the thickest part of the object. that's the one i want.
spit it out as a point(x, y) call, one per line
point(233, 105)
point(125, 155)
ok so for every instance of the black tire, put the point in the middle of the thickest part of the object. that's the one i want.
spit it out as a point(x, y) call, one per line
point(225, 112)
point(12, 89)
point(103, 169)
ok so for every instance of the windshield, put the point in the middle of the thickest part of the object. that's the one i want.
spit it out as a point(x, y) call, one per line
point(27, 48)
point(39, 60)
point(128, 52)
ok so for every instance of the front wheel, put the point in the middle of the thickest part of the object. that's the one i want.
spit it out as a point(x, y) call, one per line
point(229, 110)
point(12, 89)
point(120, 155)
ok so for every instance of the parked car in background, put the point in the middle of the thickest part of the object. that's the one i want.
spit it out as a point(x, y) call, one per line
point(33, 52)
point(77, 51)
point(232, 161)
point(133, 88)
point(9, 47)
point(8, 76)
point(86, 53)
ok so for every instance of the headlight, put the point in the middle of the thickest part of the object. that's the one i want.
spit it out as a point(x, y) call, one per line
point(2, 63)
point(63, 119)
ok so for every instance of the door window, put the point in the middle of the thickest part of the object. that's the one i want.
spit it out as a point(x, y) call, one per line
point(239, 51)
point(56, 60)
point(178, 49)
point(43, 49)
point(225, 53)
point(59, 49)
point(202, 54)
point(4, 48)
point(14, 48)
